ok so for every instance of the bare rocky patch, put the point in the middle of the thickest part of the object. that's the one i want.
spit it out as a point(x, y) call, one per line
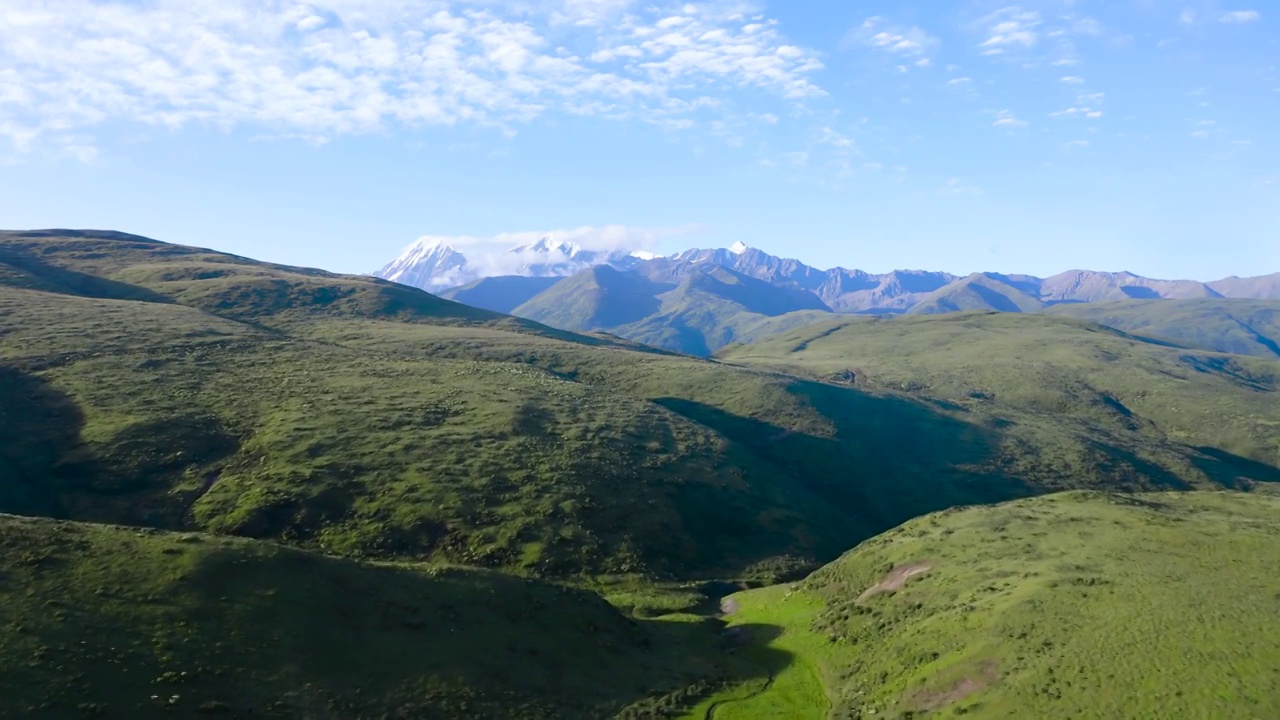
point(931, 700)
point(895, 580)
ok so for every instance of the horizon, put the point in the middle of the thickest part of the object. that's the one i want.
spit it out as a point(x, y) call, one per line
point(491, 250)
point(1016, 138)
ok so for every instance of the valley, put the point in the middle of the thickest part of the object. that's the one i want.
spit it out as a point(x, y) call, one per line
point(233, 486)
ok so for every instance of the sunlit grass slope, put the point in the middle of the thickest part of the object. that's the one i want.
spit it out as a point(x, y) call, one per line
point(1076, 605)
point(1246, 327)
point(1043, 376)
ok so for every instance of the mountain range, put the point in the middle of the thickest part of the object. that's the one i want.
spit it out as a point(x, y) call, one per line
point(231, 488)
point(700, 300)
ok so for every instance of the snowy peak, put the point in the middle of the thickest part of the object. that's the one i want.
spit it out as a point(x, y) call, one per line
point(548, 246)
point(738, 248)
point(434, 266)
point(429, 264)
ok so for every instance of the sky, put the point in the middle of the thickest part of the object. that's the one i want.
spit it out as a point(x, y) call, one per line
point(1037, 137)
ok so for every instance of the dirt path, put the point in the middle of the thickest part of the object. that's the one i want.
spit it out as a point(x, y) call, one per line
point(936, 700)
point(895, 580)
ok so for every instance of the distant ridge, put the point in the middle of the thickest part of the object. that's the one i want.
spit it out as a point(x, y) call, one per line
point(563, 285)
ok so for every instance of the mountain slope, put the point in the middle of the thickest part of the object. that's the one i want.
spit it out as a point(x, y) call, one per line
point(1089, 286)
point(1244, 327)
point(980, 291)
point(600, 297)
point(710, 306)
point(111, 622)
point(501, 294)
point(489, 441)
point(1051, 607)
point(1266, 287)
point(1043, 376)
point(435, 433)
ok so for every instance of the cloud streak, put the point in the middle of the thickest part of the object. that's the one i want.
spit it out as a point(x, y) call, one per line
point(335, 67)
point(1239, 17)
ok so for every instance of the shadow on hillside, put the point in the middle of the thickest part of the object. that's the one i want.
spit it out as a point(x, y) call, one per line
point(886, 459)
point(70, 282)
point(48, 469)
point(1234, 471)
point(493, 642)
point(39, 442)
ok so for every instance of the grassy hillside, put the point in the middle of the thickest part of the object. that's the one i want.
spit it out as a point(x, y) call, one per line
point(1245, 327)
point(459, 436)
point(1072, 388)
point(473, 438)
point(158, 414)
point(697, 314)
point(500, 294)
point(1076, 605)
point(600, 297)
point(980, 291)
point(102, 621)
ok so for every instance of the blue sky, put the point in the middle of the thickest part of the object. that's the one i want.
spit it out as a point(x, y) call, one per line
point(1138, 135)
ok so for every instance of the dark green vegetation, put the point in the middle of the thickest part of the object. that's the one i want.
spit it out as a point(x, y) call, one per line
point(1245, 327)
point(1076, 605)
point(103, 621)
point(1087, 398)
point(387, 434)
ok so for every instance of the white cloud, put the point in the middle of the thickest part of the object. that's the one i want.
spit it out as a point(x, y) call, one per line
point(1071, 80)
point(1006, 119)
point(492, 255)
point(960, 81)
point(334, 67)
point(1187, 17)
point(878, 34)
point(1239, 16)
point(1074, 145)
point(1009, 27)
point(1086, 112)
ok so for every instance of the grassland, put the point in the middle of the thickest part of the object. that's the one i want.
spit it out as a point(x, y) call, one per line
point(1243, 327)
point(1047, 378)
point(177, 388)
point(103, 621)
point(308, 459)
point(1077, 605)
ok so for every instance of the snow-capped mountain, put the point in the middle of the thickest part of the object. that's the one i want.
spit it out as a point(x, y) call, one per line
point(428, 264)
point(434, 266)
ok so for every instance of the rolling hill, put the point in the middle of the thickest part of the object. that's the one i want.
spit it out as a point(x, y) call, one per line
point(104, 621)
point(1040, 376)
point(500, 294)
point(1244, 327)
point(1075, 605)
point(305, 460)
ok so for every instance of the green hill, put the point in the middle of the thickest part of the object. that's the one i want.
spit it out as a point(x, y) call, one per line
point(500, 294)
point(102, 621)
point(1076, 605)
point(696, 314)
point(426, 430)
point(1067, 387)
point(382, 432)
point(1244, 327)
point(980, 291)
point(600, 297)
